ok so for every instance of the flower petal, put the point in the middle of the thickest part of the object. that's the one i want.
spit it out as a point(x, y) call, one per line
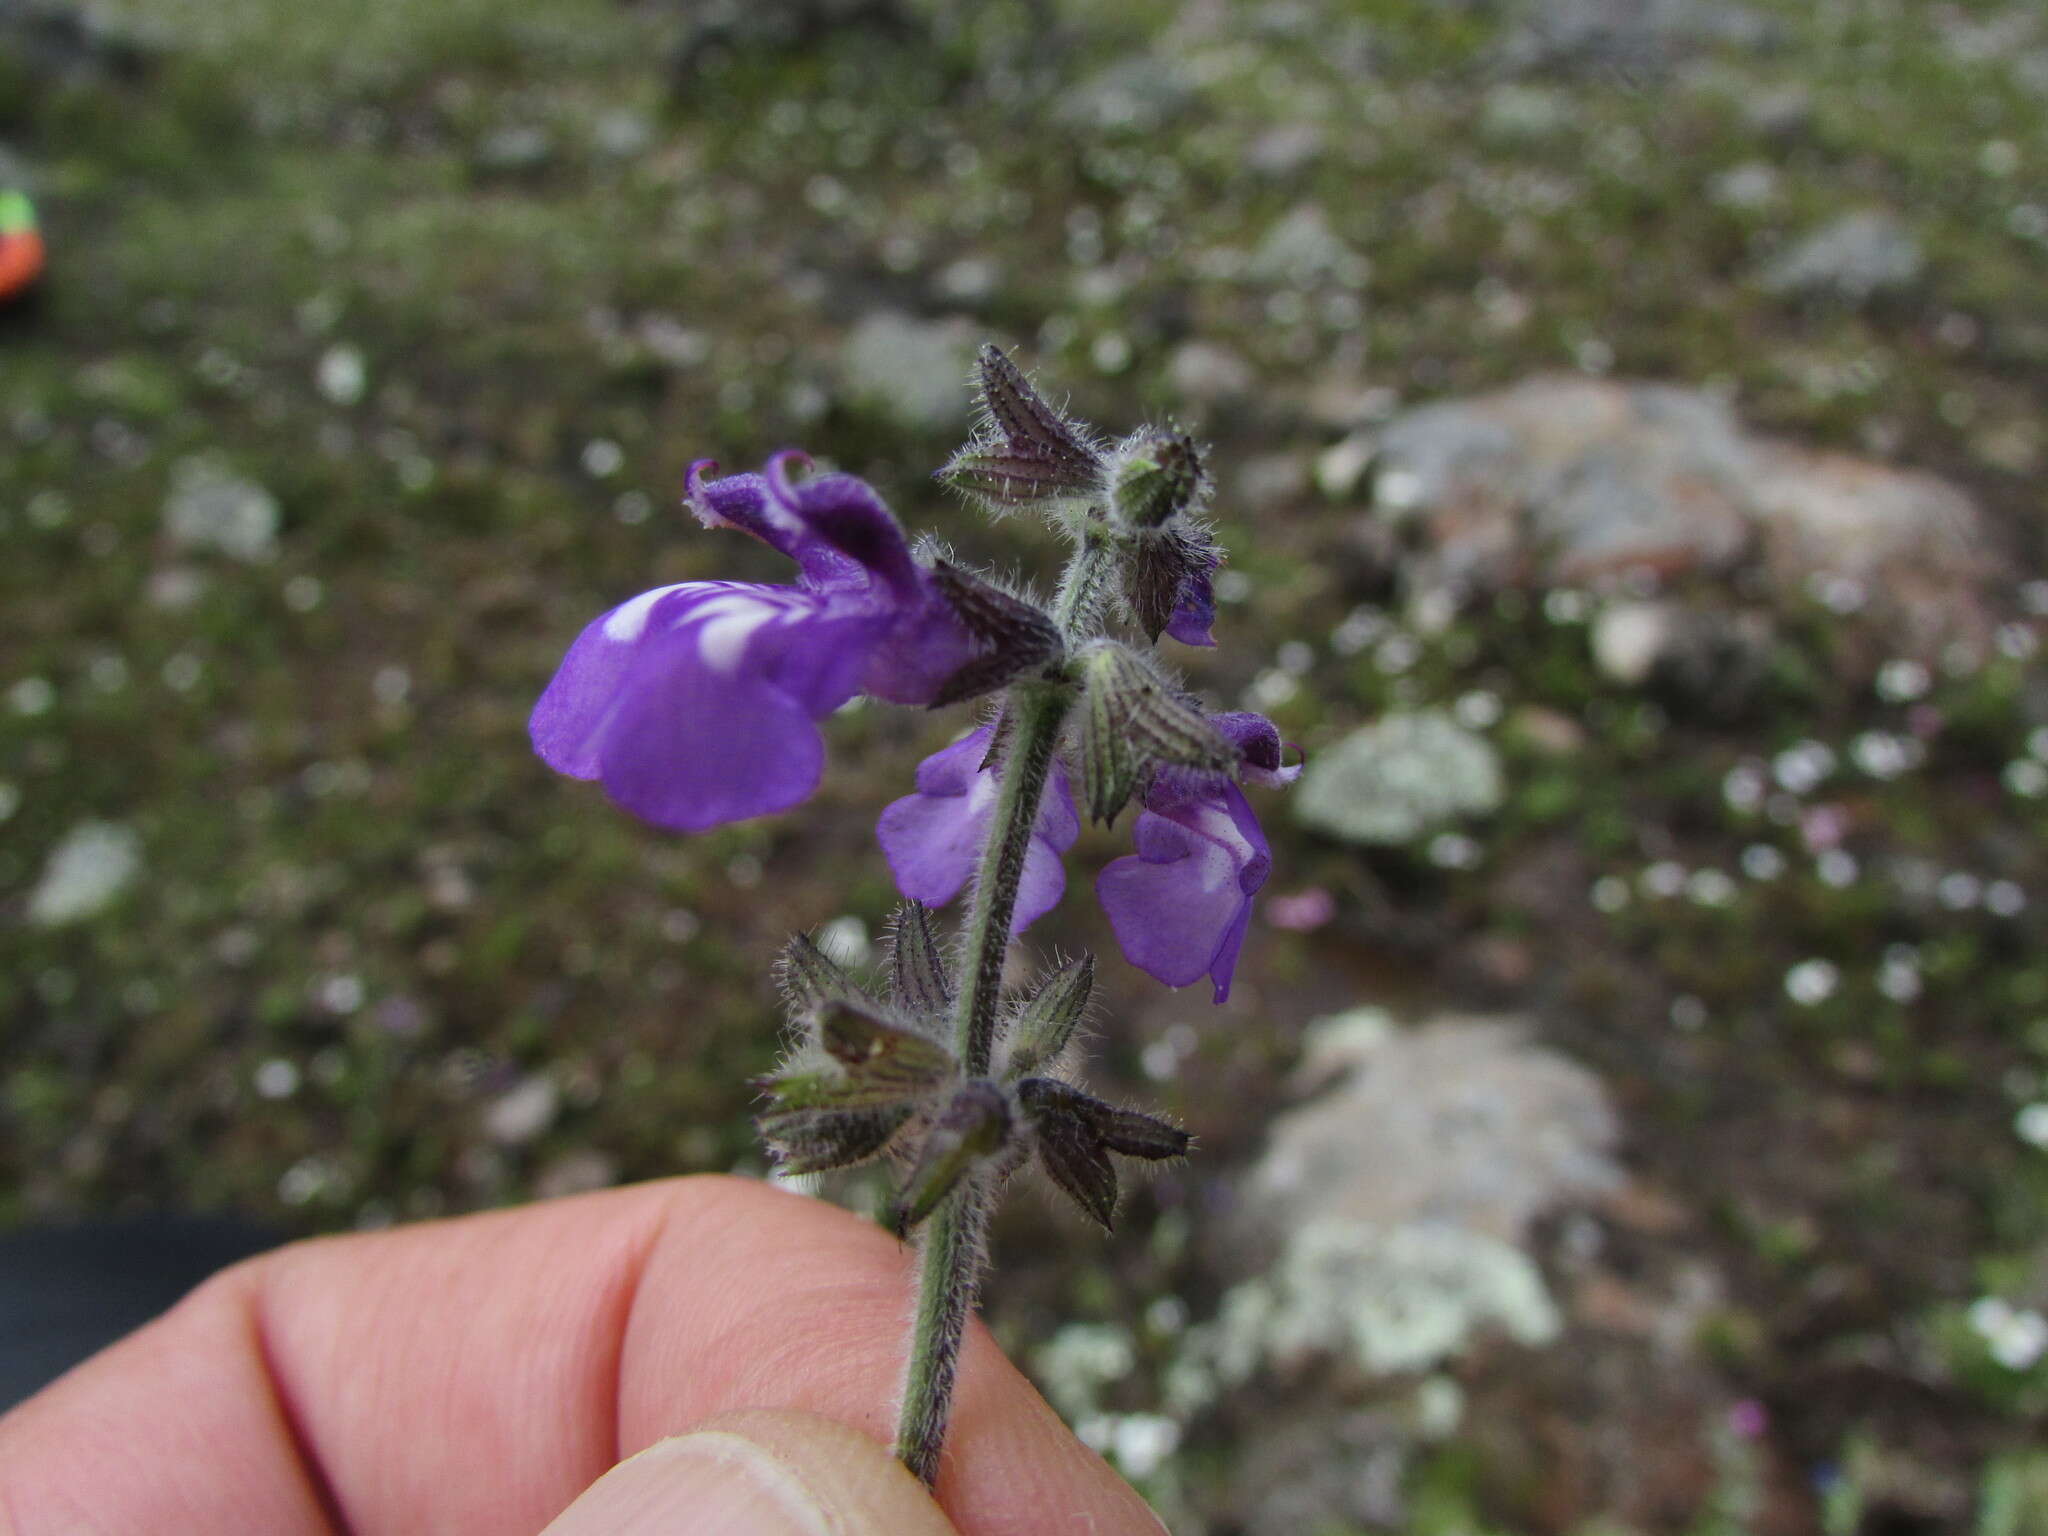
point(1262, 757)
point(1181, 907)
point(934, 839)
point(835, 528)
point(1194, 614)
point(568, 722)
point(694, 704)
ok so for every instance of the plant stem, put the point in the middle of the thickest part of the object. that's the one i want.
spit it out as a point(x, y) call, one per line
point(951, 1247)
point(953, 1244)
point(952, 1252)
point(1077, 605)
point(1036, 713)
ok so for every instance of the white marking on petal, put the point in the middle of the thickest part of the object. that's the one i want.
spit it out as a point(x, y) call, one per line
point(1214, 821)
point(725, 624)
point(628, 621)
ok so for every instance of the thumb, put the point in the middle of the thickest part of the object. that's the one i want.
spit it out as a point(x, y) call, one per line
point(757, 1473)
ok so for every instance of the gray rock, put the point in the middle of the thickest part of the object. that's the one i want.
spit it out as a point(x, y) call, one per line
point(1460, 1121)
point(914, 371)
point(1400, 777)
point(212, 507)
point(1855, 258)
point(1567, 480)
point(1399, 1199)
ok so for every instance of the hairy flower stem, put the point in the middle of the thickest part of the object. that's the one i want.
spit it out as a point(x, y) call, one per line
point(1077, 607)
point(1036, 713)
point(949, 1273)
point(952, 1244)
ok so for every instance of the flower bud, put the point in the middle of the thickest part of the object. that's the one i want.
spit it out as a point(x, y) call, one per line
point(1154, 477)
point(973, 1127)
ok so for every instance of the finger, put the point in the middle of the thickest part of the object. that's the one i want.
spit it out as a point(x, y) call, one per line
point(757, 1473)
point(488, 1369)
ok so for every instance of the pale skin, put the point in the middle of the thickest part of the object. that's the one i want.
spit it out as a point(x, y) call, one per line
point(473, 1377)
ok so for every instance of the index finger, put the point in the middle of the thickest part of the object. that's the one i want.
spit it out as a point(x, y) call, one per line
point(473, 1376)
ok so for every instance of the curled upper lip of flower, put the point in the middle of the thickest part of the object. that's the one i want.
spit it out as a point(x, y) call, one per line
point(696, 704)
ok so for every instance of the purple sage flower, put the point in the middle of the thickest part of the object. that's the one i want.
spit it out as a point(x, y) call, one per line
point(933, 839)
point(696, 704)
point(1181, 905)
point(1194, 615)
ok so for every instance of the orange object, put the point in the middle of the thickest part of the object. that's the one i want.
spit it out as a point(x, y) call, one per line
point(21, 262)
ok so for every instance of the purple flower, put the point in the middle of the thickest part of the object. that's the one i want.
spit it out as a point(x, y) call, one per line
point(695, 704)
point(934, 838)
point(1194, 613)
point(1181, 906)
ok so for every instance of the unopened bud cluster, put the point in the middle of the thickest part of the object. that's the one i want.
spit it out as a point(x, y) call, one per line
point(868, 1072)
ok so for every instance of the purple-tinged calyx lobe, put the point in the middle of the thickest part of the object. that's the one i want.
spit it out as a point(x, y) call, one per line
point(696, 704)
point(933, 839)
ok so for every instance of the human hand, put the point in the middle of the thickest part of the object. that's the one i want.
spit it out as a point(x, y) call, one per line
point(481, 1375)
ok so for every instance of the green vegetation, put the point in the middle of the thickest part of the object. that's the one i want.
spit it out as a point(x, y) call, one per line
point(437, 302)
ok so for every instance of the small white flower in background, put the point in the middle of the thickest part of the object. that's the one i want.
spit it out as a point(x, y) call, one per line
point(1835, 868)
point(1812, 982)
point(603, 458)
point(2026, 778)
point(1665, 878)
point(1959, 890)
point(1744, 787)
point(1760, 861)
point(341, 994)
point(32, 696)
point(2017, 1337)
point(1885, 756)
point(1898, 978)
point(1609, 893)
point(1360, 628)
point(276, 1078)
point(2004, 898)
point(1453, 850)
point(343, 376)
point(1710, 888)
point(1803, 767)
point(2031, 1125)
point(96, 862)
point(1902, 681)
point(1140, 1443)
point(1477, 710)
point(845, 939)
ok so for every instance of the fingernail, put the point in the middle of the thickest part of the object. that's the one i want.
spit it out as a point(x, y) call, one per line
point(732, 1487)
point(757, 1473)
point(705, 1484)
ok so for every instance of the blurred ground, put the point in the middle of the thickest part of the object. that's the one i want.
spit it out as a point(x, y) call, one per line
point(376, 339)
